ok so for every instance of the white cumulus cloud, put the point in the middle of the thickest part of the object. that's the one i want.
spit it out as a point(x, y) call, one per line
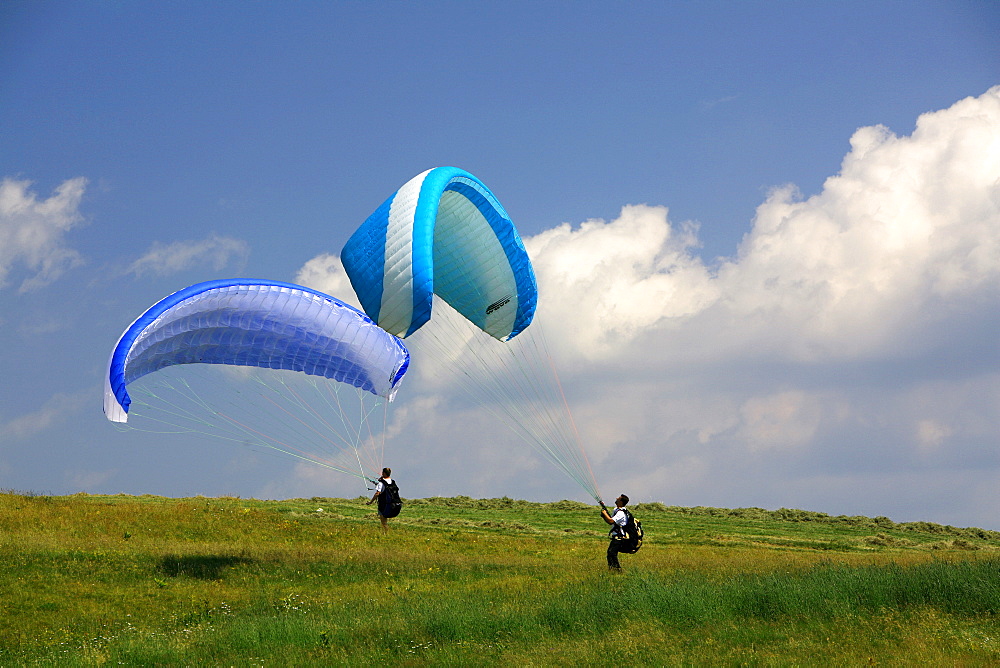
point(326, 273)
point(33, 231)
point(164, 259)
point(605, 282)
point(58, 407)
point(908, 228)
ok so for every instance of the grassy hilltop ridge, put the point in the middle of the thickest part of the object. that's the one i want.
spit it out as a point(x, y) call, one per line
point(144, 580)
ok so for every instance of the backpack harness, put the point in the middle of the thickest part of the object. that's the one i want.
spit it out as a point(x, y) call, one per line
point(389, 502)
point(630, 534)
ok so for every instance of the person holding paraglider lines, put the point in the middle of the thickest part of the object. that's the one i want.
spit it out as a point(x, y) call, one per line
point(387, 495)
point(625, 533)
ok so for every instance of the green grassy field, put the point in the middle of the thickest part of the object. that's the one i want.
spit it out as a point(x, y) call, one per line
point(124, 580)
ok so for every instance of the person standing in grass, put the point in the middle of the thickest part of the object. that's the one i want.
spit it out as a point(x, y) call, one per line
point(387, 495)
point(617, 520)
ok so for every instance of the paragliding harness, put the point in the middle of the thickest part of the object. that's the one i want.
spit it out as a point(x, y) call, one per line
point(630, 535)
point(389, 502)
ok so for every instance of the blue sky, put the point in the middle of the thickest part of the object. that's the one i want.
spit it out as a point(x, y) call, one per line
point(792, 327)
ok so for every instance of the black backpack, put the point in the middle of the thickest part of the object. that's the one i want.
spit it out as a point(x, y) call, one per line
point(389, 503)
point(630, 535)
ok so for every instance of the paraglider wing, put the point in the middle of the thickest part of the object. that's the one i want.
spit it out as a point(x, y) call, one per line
point(442, 233)
point(255, 323)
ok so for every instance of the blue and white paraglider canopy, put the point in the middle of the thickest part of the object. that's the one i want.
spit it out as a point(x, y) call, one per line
point(255, 323)
point(442, 233)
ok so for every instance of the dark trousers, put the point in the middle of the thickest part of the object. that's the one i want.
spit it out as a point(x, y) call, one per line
point(613, 555)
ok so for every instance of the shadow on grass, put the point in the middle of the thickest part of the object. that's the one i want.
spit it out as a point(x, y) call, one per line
point(201, 566)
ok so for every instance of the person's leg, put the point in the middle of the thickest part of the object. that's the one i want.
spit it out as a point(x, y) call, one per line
point(613, 556)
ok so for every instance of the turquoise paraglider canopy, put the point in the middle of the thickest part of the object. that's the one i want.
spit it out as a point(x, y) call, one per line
point(442, 233)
